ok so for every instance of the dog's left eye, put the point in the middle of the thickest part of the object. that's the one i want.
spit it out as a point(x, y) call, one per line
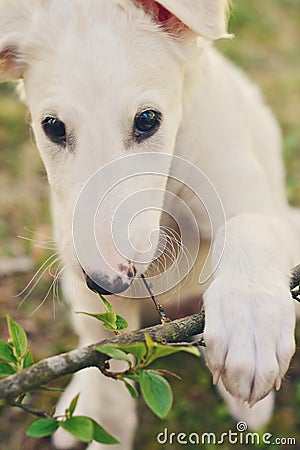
point(55, 130)
point(146, 124)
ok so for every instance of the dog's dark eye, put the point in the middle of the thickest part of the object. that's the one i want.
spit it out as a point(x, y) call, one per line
point(55, 130)
point(146, 124)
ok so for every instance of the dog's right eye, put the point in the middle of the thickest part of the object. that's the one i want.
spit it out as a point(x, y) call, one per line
point(146, 123)
point(55, 130)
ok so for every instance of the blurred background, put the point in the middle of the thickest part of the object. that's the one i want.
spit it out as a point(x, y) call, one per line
point(267, 47)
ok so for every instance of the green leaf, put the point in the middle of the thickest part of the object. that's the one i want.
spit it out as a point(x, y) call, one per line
point(160, 351)
point(6, 352)
point(157, 393)
point(109, 326)
point(108, 319)
point(42, 427)
point(138, 350)
point(149, 343)
point(121, 323)
point(107, 304)
point(28, 360)
point(6, 370)
point(73, 404)
point(115, 353)
point(18, 336)
point(82, 428)
point(133, 376)
point(132, 391)
point(102, 436)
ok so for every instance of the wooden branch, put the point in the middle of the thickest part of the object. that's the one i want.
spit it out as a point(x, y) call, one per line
point(55, 367)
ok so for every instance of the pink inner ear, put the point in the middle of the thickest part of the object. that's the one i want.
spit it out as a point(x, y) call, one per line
point(162, 16)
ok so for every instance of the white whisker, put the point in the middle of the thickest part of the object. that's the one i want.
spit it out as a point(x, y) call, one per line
point(37, 277)
point(34, 232)
point(48, 245)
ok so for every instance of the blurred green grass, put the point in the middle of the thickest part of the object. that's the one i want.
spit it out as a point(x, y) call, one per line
point(267, 46)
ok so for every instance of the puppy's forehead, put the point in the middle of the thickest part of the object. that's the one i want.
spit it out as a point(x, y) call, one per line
point(104, 26)
point(110, 44)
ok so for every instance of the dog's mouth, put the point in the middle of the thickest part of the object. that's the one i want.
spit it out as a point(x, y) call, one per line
point(103, 285)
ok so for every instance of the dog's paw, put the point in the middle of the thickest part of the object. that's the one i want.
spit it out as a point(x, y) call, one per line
point(249, 336)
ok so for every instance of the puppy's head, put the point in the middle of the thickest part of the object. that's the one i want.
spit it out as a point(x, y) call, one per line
point(104, 83)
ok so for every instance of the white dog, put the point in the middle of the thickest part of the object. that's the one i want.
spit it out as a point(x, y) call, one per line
point(108, 78)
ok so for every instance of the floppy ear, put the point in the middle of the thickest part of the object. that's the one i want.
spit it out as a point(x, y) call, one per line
point(206, 18)
point(15, 19)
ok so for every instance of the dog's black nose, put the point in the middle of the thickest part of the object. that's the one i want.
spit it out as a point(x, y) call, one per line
point(103, 286)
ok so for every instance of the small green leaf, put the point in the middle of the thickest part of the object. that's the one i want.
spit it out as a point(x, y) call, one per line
point(121, 323)
point(18, 336)
point(108, 319)
point(42, 428)
point(115, 353)
point(109, 326)
point(160, 351)
point(28, 360)
point(132, 391)
point(157, 393)
point(6, 352)
point(106, 304)
point(138, 350)
point(82, 428)
point(149, 343)
point(6, 370)
point(133, 376)
point(73, 404)
point(102, 436)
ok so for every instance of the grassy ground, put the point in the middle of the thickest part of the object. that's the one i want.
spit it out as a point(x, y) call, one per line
point(267, 46)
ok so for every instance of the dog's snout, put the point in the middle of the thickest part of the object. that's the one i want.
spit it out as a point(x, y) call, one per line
point(103, 285)
point(95, 287)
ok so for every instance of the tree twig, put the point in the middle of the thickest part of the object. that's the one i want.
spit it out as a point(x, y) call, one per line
point(158, 306)
point(50, 369)
point(55, 367)
point(29, 409)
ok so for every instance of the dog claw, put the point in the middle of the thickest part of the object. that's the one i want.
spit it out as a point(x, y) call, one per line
point(278, 383)
point(251, 402)
point(216, 376)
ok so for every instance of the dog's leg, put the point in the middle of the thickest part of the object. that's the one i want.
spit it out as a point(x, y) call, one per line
point(105, 400)
point(250, 314)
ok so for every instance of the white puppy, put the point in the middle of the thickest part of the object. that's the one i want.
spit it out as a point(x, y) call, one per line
point(106, 79)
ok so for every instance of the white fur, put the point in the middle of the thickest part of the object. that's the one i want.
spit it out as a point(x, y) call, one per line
point(94, 63)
